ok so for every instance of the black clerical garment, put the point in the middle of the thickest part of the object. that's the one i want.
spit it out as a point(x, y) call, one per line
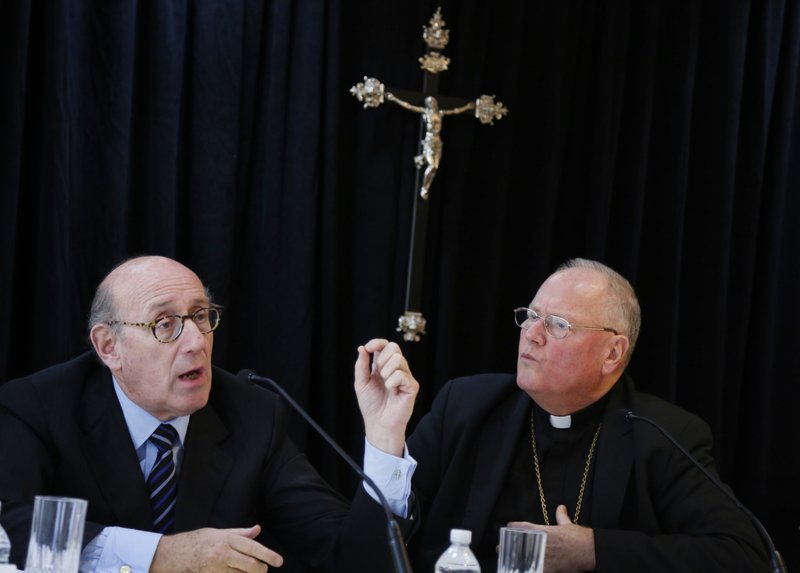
point(650, 508)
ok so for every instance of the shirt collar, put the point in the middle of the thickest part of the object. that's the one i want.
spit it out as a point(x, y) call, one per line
point(141, 423)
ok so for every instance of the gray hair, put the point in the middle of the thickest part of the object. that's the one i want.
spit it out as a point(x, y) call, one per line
point(103, 309)
point(623, 304)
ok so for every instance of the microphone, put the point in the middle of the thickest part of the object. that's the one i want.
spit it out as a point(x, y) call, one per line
point(778, 566)
point(396, 545)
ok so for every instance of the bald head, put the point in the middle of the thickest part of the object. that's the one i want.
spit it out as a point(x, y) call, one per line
point(128, 276)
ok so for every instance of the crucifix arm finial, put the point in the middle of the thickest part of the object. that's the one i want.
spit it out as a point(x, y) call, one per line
point(487, 110)
point(370, 92)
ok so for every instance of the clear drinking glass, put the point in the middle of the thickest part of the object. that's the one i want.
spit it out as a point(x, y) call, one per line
point(521, 550)
point(56, 535)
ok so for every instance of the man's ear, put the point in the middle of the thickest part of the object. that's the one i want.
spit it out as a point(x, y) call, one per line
point(616, 353)
point(104, 339)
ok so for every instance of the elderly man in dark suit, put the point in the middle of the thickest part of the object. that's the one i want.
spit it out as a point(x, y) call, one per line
point(219, 486)
point(551, 449)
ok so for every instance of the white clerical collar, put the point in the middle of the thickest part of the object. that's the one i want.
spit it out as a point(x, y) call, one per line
point(561, 422)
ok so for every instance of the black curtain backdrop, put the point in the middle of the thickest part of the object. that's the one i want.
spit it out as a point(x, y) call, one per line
point(660, 137)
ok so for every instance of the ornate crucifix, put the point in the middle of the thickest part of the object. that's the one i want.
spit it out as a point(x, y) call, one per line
point(432, 109)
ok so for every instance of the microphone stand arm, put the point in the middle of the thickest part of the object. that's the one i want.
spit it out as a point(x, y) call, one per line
point(397, 546)
point(778, 566)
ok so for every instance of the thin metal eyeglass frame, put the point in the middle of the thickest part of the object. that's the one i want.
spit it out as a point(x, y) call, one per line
point(152, 325)
point(570, 326)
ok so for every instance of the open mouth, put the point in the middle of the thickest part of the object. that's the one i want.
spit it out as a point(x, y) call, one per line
point(191, 374)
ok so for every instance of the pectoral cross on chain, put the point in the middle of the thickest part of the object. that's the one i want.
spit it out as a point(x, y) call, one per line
point(432, 109)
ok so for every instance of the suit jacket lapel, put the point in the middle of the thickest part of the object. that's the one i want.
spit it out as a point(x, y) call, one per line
point(496, 447)
point(109, 452)
point(204, 469)
point(614, 462)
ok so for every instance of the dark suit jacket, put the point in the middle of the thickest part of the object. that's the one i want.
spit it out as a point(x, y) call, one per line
point(62, 432)
point(651, 510)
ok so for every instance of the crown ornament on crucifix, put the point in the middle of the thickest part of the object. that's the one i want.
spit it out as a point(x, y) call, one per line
point(432, 109)
point(436, 36)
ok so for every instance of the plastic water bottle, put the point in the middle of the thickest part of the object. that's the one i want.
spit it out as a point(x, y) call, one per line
point(458, 558)
point(5, 543)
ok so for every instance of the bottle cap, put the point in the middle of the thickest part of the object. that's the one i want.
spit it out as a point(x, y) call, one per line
point(460, 536)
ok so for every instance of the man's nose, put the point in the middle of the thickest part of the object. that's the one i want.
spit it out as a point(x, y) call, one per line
point(536, 332)
point(191, 335)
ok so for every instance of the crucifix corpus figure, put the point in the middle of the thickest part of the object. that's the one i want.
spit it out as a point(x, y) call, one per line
point(372, 93)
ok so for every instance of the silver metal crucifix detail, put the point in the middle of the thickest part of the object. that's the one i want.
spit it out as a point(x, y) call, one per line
point(372, 93)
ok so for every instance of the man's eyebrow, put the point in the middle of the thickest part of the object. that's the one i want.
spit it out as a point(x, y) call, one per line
point(157, 307)
point(541, 313)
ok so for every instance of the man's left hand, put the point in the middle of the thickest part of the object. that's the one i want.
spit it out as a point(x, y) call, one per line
point(570, 547)
point(386, 391)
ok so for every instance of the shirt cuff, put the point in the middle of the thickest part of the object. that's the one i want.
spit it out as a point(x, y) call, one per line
point(391, 474)
point(120, 550)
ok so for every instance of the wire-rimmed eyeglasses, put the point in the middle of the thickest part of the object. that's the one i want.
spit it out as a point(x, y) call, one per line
point(169, 328)
point(555, 326)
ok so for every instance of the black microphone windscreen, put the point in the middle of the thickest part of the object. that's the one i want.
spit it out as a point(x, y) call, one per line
point(626, 413)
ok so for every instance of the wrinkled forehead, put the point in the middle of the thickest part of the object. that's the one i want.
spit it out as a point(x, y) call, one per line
point(155, 284)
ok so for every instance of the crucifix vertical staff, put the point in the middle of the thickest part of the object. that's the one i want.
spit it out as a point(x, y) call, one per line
point(432, 109)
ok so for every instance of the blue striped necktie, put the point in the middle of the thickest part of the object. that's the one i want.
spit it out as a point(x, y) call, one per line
point(162, 482)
